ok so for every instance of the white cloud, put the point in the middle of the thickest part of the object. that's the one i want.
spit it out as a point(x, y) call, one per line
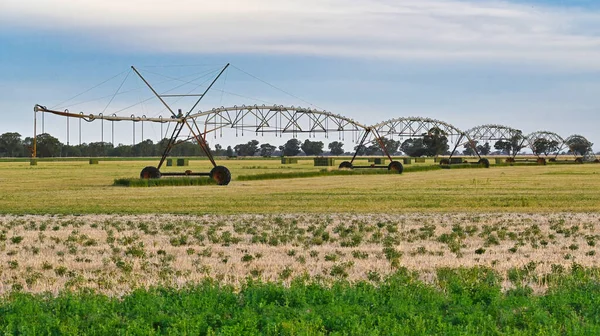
point(405, 29)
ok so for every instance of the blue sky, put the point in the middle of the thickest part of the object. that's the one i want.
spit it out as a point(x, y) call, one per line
point(531, 65)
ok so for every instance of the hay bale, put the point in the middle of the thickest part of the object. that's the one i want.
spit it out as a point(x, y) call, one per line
point(287, 160)
point(407, 161)
point(324, 161)
point(169, 162)
point(33, 162)
point(499, 161)
point(94, 161)
point(183, 162)
point(420, 160)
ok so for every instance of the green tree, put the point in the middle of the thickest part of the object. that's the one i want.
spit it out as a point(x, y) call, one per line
point(579, 145)
point(229, 151)
point(291, 147)
point(414, 147)
point(266, 150)
point(390, 145)
point(470, 148)
point(95, 149)
point(367, 150)
point(435, 141)
point(511, 146)
point(11, 144)
point(484, 149)
point(544, 146)
point(312, 147)
point(144, 148)
point(48, 146)
point(70, 151)
point(247, 149)
point(219, 151)
point(121, 151)
point(336, 148)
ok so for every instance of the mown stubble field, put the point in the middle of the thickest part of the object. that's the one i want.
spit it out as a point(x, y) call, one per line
point(79, 188)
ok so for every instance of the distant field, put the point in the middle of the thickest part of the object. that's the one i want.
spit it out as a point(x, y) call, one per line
point(77, 187)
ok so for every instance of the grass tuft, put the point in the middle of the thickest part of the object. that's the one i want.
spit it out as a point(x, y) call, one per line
point(324, 172)
point(162, 182)
point(359, 171)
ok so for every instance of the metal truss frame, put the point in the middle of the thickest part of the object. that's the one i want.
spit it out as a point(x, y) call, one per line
point(546, 135)
point(589, 156)
point(412, 127)
point(495, 132)
point(276, 119)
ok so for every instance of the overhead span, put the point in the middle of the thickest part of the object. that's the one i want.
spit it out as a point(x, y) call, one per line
point(276, 119)
point(547, 135)
point(534, 138)
point(493, 132)
point(256, 118)
point(410, 127)
point(414, 126)
point(579, 145)
point(576, 138)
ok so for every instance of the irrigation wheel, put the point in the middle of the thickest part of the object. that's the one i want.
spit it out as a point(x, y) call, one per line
point(541, 161)
point(396, 166)
point(150, 173)
point(345, 165)
point(484, 162)
point(221, 175)
point(444, 162)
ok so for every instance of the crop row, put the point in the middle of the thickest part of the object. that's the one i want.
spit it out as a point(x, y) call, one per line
point(466, 301)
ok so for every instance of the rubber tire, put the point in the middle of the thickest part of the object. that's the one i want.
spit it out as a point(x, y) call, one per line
point(345, 165)
point(444, 162)
point(485, 162)
point(396, 166)
point(510, 160)
point(579, 160)
point(541, 161)
point(150, 172)
point(221, 175)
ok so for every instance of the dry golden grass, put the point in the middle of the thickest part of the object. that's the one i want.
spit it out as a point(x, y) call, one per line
point(76, 187)
point(113, 254)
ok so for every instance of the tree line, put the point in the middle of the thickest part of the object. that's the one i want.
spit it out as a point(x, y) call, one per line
point(433, 143)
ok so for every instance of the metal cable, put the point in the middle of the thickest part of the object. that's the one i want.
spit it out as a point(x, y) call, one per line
point(138, 88)
point(276, 88)
point(150, 98)
point(116, 92)
point(90, 89)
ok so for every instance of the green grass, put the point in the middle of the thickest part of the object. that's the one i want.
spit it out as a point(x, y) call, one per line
point(463, 301)
point(320, 173)
point(170, 181)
